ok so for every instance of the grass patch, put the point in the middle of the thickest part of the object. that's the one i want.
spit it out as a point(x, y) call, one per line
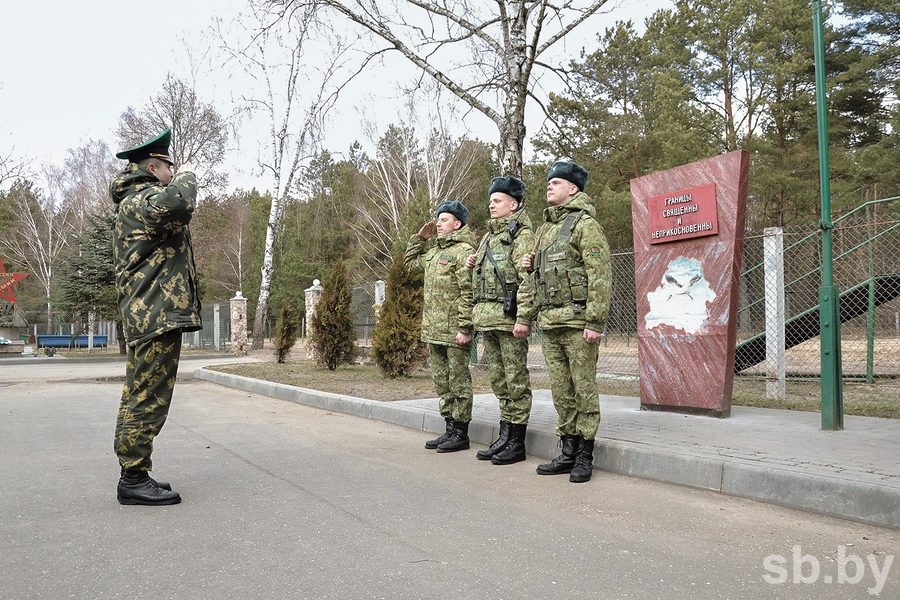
point(362, 381)
point(860, 399)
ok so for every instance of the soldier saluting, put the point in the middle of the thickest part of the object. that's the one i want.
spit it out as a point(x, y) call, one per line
point(156, 285)
point(570, 281)
point(447, 316)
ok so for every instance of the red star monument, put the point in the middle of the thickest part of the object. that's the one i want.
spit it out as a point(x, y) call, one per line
point(6, 282)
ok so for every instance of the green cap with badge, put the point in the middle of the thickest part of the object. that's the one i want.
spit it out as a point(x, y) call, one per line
point(158, 147)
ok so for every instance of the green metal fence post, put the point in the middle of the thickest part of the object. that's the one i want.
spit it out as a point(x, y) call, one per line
point(829, 296)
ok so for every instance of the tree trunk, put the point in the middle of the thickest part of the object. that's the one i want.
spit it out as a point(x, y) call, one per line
point(262, 305)
point(267, 270)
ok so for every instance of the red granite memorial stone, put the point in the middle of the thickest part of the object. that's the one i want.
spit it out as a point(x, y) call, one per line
point(688, 227)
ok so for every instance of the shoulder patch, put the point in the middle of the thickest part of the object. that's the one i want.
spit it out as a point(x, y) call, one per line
point(595, 250)
point(445, 259)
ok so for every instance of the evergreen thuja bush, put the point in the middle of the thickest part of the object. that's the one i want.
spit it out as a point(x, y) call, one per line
point(286, 330)
point(396, 347)
point(333, 336)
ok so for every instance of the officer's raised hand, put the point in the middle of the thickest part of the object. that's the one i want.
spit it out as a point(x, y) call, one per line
point(427, 230)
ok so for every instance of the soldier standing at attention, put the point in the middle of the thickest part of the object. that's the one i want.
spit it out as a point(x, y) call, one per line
point(497, 276)
point(571, 284)
point(447, 316)
point(156, 284)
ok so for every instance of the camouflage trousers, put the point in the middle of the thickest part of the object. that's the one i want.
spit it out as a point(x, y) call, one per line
point(572, 364)
point(452, 380)
point(508, 359)
point(150, 370)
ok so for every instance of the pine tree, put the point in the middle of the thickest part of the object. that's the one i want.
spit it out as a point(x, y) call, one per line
point(396, 347)
point(286, 330)
point(88, 280)
point(333, 336)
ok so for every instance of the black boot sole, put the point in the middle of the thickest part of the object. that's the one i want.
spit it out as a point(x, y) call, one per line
point(135, 501)
point(579, 479)
point(508, 461)
point(560, 472)
point(455, 449)
point(487, 454)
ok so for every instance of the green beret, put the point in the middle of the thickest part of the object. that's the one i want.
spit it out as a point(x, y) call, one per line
point(570, 172)
point(158, 147)
point(508, 185)
point(455, 208)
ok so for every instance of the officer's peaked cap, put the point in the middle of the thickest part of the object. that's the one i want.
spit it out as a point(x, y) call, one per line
point(157, 147)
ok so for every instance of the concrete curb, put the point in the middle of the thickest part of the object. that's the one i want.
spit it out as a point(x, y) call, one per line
point(831, 496)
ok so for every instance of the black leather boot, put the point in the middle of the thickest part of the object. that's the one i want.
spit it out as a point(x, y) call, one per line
point(565, 461)
point(432, 444)
point(163, 484)
point(136, 487)
point(584, 462)
point(458, 441)
point(515, 450)
point(498, 445)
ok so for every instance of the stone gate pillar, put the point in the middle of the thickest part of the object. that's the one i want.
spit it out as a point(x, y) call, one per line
point(313, 295)
point(239, 325)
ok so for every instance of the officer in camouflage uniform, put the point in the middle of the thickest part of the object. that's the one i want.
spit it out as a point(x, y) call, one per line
point(496, 278)
point(156, 283)
point(447, 316)
point(571, 282)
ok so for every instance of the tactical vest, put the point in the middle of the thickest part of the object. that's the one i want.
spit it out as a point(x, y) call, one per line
point(559, 279)
point(488, 288)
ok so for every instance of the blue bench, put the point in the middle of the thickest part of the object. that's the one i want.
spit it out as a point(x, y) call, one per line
point(68, 341)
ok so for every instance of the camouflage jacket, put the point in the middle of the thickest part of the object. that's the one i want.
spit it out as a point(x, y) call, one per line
point(156, 281)
point(507, 250)
point(570, 287)
point(447, 307)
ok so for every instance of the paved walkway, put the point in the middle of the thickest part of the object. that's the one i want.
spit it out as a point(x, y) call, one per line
point(775, 456)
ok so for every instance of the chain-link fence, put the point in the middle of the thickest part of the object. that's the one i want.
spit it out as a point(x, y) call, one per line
point(866, 267)
point(216, 333)
point(363, 307)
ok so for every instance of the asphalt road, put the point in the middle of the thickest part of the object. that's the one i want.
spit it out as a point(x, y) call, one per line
point(286, 501)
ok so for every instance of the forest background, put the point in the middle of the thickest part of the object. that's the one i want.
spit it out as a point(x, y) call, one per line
point(702, 78)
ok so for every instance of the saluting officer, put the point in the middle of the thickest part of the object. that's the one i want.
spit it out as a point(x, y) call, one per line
point(497, 278)
point(156, 284)
point(571, 282)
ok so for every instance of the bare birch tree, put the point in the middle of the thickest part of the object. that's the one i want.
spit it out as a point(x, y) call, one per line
point(293, 93)
point(83, 182)
point(222, 246)
point(390, 187)
point(38, 235)
point(199, 133)
point(484, 52)
point(407, 181)
point(418, 164)
point(12, 168)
